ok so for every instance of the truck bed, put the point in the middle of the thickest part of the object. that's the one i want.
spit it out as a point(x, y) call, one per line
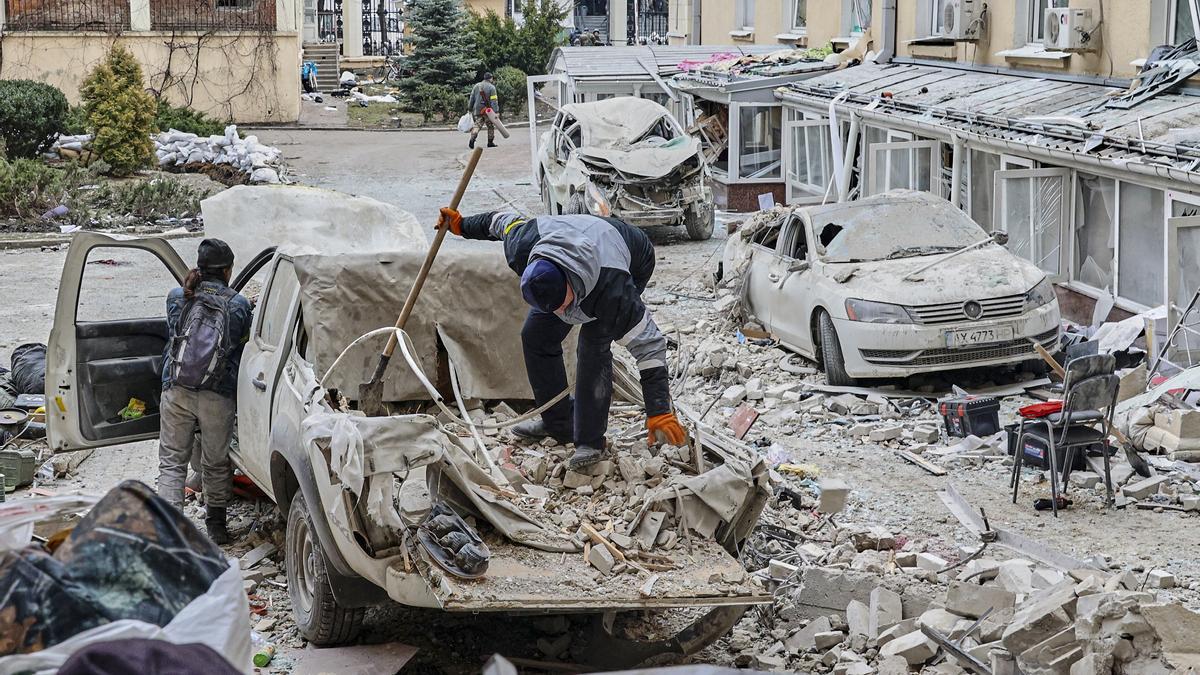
point(523, 578)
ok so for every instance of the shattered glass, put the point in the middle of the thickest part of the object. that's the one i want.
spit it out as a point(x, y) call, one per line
point(1095, 208)
point(1141, 240)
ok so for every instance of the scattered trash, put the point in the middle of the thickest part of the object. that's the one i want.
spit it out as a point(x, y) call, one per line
point(135, 409)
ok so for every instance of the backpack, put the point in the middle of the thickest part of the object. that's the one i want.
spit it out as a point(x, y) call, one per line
point(202, 343)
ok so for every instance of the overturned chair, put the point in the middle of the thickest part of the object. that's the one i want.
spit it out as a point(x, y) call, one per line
point(1089, 397)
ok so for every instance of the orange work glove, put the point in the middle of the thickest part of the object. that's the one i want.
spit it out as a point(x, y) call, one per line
point(666, 428)
point(451, 220)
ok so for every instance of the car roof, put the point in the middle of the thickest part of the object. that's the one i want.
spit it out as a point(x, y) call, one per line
point(889, 198)
point(624, 118)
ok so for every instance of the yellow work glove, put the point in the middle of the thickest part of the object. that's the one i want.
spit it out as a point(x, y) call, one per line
point(451, 220)
point(666, 428)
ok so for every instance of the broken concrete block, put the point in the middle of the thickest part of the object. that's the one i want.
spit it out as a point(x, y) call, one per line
point(914, 648)
point(870, 561)
point(1045, 615)
point(860, 430)
point(1085, 479)
point(631, 470)
point(931, 562)
point(982, 569)
point(885, 433)
point(873, 539)
point(973, 601)
point(601, 559)
point(1055, 654)
point(926, 434)
point(1015, 576)
point(573, 480)
point(886, 610)
point(858, 618)
point(834, 492)
point(939, 619)
point(1160, 579)
point(1190, 502)
point(754, 389)
point(1144, 488)
point(892, 665)
point(733, 396)
point(812, 551)
point(853, 668)
point(803, 639)
point(891, 633)
point(777, 569)
point(648, 529)
point(828, 639)
point(907, 559)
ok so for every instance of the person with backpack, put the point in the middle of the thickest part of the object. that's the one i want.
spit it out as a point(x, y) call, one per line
point(208, 325)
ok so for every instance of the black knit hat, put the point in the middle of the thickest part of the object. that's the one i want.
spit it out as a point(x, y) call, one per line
point(214, 254)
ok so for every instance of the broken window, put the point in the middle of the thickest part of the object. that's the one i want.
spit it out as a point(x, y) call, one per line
point(983, 168)
point(1095, 218)
point(273, 309)
point(858, 15)
point(909, 166)
point(1140, 241)
point(743, 14)
point(1183, 319)
point(760, 136)
point(1033, 211)
point(796, 244)
point(767, 236)
point(1182, 26)
point(797, 14)
point(810, 158)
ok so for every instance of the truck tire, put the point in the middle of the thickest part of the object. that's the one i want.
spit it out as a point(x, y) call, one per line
point(577, 204)
point(698, 221)
point(832, 361)
point(319, 617)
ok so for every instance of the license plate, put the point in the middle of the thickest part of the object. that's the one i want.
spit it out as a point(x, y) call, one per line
point(970, 337)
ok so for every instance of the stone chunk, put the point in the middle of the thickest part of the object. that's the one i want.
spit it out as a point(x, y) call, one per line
point(931, 562)
point(733, 396)
point(1161, 579)
point(803, 639)
point(754, 389)
point(834, 492)
point(939, 619)
point(886, 433)
point(828, 639)
point(926, 435)
point(860, 430)
point(886, 609)
point(631, 470)
point(1040, 617)
point(600, 558)
point(914, 647)
point(1144, 488)
point(858, 618)
point(973, 601)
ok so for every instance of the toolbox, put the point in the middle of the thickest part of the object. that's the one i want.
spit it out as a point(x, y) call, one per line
point(970, 415)
point(1037, 453)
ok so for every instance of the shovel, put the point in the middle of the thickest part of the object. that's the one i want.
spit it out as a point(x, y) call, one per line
point(370, 395)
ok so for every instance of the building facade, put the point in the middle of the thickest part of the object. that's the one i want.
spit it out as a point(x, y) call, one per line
point(1049, 133)
point(232, 60)
point(787, 23)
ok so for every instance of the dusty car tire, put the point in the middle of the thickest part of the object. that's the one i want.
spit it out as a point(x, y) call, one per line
point(319, 617)
point(699, 222)
point(577, 204)
point(832, 361)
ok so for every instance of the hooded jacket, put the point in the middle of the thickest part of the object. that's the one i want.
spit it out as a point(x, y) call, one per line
point(608, 264)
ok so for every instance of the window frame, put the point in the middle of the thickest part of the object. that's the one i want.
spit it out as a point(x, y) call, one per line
point(798, 190)
point(848, 18)
point(914, 148)
point(743, 15)
point(266, 302)
point(734, 171)
point(1066, 216)
point(789, 18)
point(1037, 18)
point(1172, 20)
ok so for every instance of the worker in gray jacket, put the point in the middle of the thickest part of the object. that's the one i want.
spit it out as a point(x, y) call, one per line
point(581, 269)
point(483, 99)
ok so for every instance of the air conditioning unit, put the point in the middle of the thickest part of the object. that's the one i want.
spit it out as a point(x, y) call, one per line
point(1071, 29)
point(960, 19)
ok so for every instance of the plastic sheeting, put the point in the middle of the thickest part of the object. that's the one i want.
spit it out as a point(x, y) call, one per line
point(472, 301)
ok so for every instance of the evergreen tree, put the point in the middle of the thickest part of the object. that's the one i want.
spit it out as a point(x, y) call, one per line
point(539, 34)
point(442, 52)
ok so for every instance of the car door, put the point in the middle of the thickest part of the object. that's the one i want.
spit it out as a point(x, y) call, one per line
point(109, 350)
point(763, 255)
point(262, 361)
point(790, 293)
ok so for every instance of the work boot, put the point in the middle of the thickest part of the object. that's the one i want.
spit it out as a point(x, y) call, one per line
point(585, 456)
point(471, 143)
point(214, 522)
point(492, 144)
point(535, 430)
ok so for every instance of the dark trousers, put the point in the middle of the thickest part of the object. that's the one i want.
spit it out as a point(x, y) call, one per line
point(585, 418)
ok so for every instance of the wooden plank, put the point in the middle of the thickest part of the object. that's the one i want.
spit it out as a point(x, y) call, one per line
point(923, 463)
point(256, 555)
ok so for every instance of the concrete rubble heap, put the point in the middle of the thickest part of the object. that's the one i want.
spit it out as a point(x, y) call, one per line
point(172, 148)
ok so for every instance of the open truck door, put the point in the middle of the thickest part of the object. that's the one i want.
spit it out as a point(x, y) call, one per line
point(95, 365)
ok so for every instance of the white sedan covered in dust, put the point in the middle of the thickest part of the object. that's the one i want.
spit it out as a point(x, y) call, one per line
point(897, 284)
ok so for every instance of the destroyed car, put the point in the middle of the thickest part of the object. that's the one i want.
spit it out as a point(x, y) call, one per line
point(358, 491)
point(628, 158)
point(897, 284)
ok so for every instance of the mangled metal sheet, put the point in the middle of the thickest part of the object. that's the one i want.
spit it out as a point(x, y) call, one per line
point(471, 305)
point(618, 131)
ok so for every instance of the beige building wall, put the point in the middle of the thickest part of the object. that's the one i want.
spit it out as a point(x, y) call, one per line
point(482, 6)
point(246, 77)
point(771, 19)
point(1126, 34)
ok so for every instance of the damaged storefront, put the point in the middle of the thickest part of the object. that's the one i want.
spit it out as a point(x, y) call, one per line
point(1096, 185)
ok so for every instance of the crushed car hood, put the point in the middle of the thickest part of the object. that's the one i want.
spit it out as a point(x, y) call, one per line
point(984, 273)
point(640, 160)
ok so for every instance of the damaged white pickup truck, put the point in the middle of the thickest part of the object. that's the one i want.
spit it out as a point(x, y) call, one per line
point(662, 527)
point(890, 286)
point(628, 158)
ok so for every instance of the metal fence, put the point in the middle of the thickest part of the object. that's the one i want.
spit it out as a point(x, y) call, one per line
point(67, 15)
point(209, 15)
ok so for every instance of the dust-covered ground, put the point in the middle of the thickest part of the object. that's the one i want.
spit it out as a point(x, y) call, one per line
point(417, 171)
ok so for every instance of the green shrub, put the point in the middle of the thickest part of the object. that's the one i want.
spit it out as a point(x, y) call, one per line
point(31, 113)
point(29, 188)
point(75, 122)
point(143, 200)
point(186, 120)
point(510, 88)
point(119, 112)
point(436, 99)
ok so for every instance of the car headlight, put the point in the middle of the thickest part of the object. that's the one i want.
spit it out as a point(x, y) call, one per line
point(597, 203)
point(876, 312)
point(1042, 294)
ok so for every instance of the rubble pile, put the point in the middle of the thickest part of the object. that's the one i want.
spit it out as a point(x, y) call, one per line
point(258, 162)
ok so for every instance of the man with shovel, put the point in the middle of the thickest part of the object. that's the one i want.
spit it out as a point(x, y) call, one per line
point(581, 269)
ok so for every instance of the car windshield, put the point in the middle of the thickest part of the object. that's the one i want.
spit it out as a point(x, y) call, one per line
point(887, 231)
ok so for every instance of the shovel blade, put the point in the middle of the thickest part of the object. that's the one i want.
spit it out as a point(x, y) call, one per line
point(370, 398)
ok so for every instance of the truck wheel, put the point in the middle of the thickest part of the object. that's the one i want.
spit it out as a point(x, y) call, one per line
point(321, 620)
point(577, 204)
point(698, 221)
point(832, 361)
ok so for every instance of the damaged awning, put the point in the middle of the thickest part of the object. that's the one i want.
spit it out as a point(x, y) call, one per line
point(1053, 118)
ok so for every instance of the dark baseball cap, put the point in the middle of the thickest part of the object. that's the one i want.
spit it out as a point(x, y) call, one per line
point(214, 254)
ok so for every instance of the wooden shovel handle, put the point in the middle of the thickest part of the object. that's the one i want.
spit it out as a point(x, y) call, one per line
point(415, 291)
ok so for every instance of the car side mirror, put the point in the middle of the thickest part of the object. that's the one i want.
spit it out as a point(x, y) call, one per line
point(1000, 238)
point(797, 266)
